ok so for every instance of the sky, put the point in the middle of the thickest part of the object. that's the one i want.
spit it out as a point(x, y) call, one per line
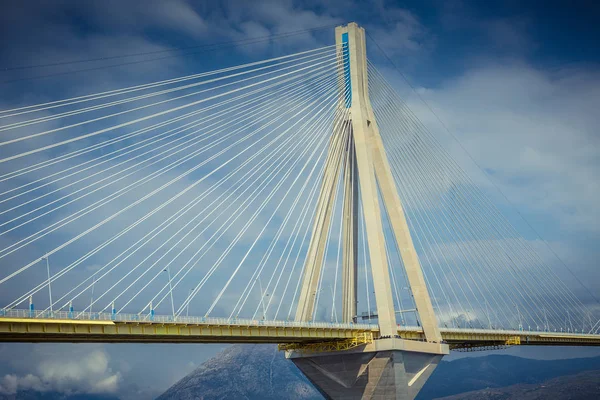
point(517, 84)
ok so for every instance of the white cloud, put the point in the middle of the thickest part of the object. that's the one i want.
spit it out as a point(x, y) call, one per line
point(9, 384)
point(535, 130)
point(89, 373)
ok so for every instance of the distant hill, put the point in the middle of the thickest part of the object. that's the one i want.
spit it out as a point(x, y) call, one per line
point(261, 372)
point(250, 372)
point(474, 373)
point(582, 386)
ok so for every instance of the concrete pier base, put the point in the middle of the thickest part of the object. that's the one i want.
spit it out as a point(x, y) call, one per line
point(385, 370)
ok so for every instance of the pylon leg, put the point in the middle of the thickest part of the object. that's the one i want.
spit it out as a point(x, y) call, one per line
point(324, 211)
point(414, 273)
point(350, 235)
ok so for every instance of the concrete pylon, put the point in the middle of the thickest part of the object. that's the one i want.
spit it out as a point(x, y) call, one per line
point(356, 151)
point(388, 368)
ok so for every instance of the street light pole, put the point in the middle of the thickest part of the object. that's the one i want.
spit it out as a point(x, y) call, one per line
point(262, 297)
point(333, 310)
point(187, 307)
point(168, 269)
point(49, 286)
point(92, 299)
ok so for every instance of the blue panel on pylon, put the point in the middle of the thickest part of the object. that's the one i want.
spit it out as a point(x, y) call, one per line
point(346, 59)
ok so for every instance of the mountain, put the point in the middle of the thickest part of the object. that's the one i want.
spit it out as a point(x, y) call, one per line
point(582, 386)
point(244, 372)
point(474, 373)
point(261, 372)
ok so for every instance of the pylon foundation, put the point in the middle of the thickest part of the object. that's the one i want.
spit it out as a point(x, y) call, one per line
point(386, 369)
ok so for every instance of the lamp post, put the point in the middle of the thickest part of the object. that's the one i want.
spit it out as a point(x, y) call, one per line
point(92, 298)
point(49, 285)
point(262, 297)
point(520, 320)
point(487, 314)
point(187, 307)
point(168, 269)
point(333, 310)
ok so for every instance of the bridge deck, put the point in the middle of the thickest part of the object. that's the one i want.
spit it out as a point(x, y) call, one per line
point(469, 338)
point(23, 326)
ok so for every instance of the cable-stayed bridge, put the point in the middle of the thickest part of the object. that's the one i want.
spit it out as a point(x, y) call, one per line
point(296, 200)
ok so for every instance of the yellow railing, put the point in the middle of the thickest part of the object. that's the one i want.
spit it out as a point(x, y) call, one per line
point(335, 345)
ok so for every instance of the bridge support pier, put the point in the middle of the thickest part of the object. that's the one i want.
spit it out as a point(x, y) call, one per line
point(385, 369)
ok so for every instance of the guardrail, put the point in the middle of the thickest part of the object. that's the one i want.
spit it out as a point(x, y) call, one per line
point(122, 317)
point(516, 332)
